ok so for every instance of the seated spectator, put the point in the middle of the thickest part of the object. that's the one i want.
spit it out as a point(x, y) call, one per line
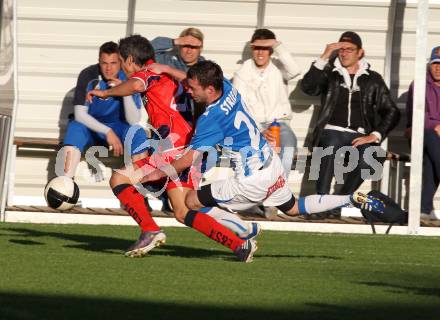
point(356, 111)
point(103, 122)
point(180, 53)
point(262, 83)
point(431, 141)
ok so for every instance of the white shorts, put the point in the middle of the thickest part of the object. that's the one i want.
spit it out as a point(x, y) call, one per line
point(268, 184)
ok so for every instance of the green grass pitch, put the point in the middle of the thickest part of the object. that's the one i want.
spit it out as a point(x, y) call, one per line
point(79, 272)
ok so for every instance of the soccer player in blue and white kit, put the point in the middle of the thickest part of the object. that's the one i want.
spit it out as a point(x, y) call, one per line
point(258, 172)
point(103, 121)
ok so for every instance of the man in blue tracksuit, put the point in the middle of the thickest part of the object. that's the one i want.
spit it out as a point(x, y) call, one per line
point(104, 122)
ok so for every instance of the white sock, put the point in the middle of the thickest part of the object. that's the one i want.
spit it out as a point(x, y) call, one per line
point(231, 221)
point(320, 203)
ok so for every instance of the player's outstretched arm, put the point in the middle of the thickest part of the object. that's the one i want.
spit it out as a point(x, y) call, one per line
point(132, 103)
point(172, 170)
point(159, 68)
point(126, 88)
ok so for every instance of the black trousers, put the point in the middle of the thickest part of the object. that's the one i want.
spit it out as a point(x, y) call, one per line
point(431, 169)
point(354, 178)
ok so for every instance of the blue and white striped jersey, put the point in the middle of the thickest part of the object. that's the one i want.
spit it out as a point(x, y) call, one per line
point(227, 123)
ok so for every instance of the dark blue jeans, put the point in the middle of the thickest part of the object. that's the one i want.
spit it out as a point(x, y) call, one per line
point(431, 169)
point(352, 179)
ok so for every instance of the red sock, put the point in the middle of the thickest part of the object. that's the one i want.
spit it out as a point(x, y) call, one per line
point(212, 229)
point(134, 204)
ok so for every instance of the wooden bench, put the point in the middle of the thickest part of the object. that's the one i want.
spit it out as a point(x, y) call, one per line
point(37, 143)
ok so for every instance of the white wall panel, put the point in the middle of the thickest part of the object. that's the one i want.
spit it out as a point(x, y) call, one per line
point(196, 13)
point(324, 15)
point(56, 40)
point(114, 10)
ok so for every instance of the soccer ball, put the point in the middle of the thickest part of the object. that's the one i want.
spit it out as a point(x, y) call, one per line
point(61, 193)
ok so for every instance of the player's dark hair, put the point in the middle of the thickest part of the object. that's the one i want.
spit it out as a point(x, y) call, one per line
point(262, 34)
point(109, 48)
point(207, 73)
point(138, 47)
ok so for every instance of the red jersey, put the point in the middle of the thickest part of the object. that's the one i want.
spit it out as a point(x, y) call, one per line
point(167, 103)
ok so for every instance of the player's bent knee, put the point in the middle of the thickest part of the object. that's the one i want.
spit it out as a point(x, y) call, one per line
point(180, 215)
point(70, 148)
point(192, 201)
point(114, 180)
point(117, 179)
point(293, 211)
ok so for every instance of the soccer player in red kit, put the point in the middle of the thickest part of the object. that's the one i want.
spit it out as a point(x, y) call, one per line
point(170, 114)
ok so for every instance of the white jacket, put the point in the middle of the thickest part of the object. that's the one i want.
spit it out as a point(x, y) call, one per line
point(265, 91)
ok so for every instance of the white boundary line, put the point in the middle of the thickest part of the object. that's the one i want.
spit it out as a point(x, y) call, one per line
point(70, 218)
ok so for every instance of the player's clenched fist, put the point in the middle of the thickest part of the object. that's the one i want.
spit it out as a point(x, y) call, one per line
point(96, 93)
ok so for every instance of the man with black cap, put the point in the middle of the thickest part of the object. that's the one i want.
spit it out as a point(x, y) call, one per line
point(431, 141)
point(356, 110)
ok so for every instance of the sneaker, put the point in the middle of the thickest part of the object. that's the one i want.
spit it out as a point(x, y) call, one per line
point(434, 215)
point(367, 202)
point(425, 216)
point(255, 231)
point(147, 241)
point(245, 252)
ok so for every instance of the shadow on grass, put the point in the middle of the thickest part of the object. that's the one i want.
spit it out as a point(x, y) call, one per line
point(108, 245)
point(102, 244)
point(299, 256)
point(112, 245)
point(394, 288)
point(25, 306)
point(25, 242)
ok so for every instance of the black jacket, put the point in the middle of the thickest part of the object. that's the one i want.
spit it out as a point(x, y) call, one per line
point(379, 112)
